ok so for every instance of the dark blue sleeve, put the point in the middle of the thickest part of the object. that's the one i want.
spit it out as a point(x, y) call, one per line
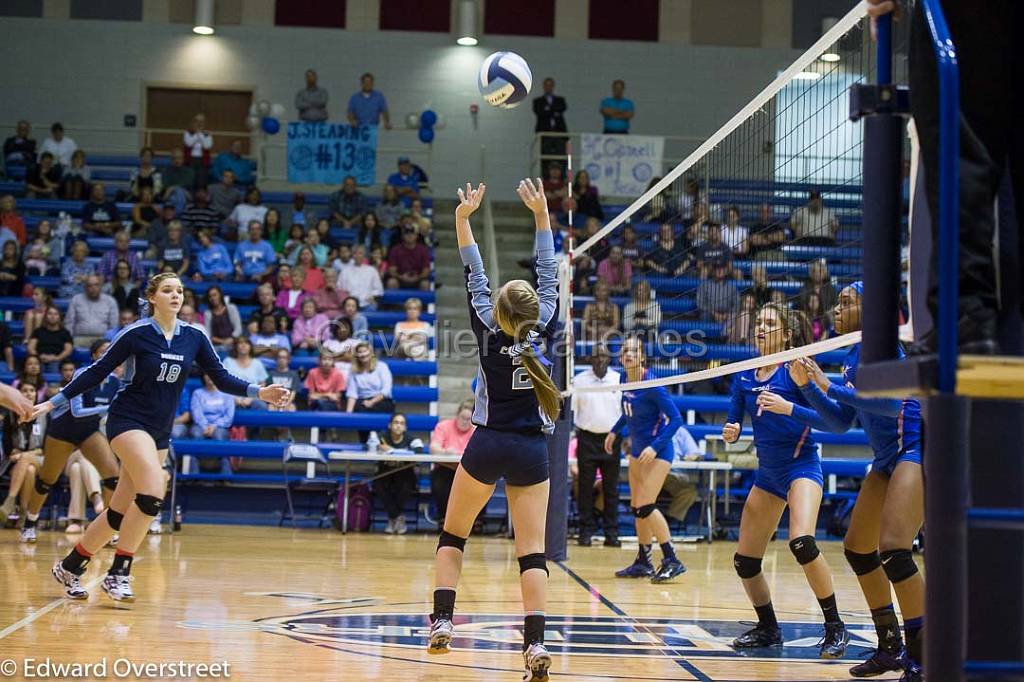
point(887, 407)
point(737, 406)
point(94, 375)
point(668, 408)
point(839, 417)
point(621, 424)
point(807, 416)
point(209, 362)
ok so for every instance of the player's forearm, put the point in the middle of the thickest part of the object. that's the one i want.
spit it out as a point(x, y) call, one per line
point(463, 232)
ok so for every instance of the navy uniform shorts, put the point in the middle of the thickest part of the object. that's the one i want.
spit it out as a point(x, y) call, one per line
point(117, 424)
point(520, 458)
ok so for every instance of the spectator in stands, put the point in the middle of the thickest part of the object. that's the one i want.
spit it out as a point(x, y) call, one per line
point(368, 107)
point(350, 311)
point(818, 282)
point(212, 412)
point(10, 219)
point(44, 252)
point(585, 200)
point(25, 443)
point(370, 230)
point(245, 366)
point(377, 260)
point(282, 280)
point(549, 109)
point(234, 161)
point(314, 278)
point(347, 205)
point(84, 486)
point(43, 180)
point(813, 224)
point(701, 226)
point(183, 415)
point(554, 185)
point(449, 437)
point(299, 213)
point(188, 314)
point(407, 179)
point(41, 300)
point(268, 340)
point(311, 101)
point(329, 299)
point(390, 209)
point(396, 481)
point(127, 317)
point(266, 305)
point(146, 176)
point(409, 263)
point(308, 328)
point(718, 298)
point(296, 238)
point(123, 287)
point(179, 180)
point(713, 253)
point(319, 249)
point(617, 110)
point(643, 313)
point(197, 143)
point(74, 270)
point(341, 344)
point(100, 215)
point(223, 321)
point(157, 232)
point(759, 288)
point(671, 256)
point(818, 316)
point(660, 208)
point(681, 490)
point(91, 313)
point(12, 270)
point(369, 384)
point(224, 195)
point(52, 342)
point(290, 299)
point(767, 235)
point(323, 227)
point(779, 298)
point(32, 373)
point(175, 255)
point(246, 213)
point(213, 260)
point(200, 214)
point(600, 316)
point(632, 250)
point(326, 384)
point(6, 349)
point(20, 149)
point(58, 144)
point(274, 230)
point(254, 258)
point(412, 335)
point(740, 328)
point(75, 178)
point(283, 375)
point(143, 213)
point(734, 235)
point(616, 272)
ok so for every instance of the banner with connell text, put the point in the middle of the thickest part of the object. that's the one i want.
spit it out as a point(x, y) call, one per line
point(621, 165)
point(325, 152)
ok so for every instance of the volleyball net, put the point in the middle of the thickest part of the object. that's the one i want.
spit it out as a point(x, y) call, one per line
point(767, 210)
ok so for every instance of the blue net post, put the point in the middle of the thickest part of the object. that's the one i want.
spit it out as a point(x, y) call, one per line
point(556, 531)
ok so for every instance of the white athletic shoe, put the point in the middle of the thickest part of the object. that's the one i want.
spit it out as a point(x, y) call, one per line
point(69, 581)
point(114, 539)
point(28, 535)
point(441, 633)
point(400, 528)
point(154, 526)
point(118, 588)
point(538, 662)
point(390, 528)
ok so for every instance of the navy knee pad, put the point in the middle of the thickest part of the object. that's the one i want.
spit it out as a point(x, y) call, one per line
point(451, 540)
point(42, 487)
point(148, 504)
point(533, 561)
point(114, 519)
point(804, 548)
point(110, 483)
point(644, 511)
point(898, 564)
point(747, 567)
point(862, 564)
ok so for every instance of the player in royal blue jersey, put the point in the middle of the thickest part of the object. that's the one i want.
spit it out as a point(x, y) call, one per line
point(789, 473)
point(159, 352)
point(652, 419)
point(515, 403)
point(76, 425)
point(890, 506)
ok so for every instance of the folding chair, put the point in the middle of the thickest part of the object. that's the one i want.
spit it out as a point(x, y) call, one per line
point(310, 484)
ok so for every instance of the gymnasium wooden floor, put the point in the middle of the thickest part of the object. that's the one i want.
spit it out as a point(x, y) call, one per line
point(282, 604)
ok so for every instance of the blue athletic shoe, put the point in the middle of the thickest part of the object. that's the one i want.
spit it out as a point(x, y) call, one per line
point(636, 569)
point(669, 569)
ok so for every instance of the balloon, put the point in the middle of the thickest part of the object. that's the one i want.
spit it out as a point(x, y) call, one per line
point(277, 110)
point(263, 107)
point(412, 121)
point(252, 122)
point(426, 135)
point(254, 109)
point(428, 118)
point(271, 125)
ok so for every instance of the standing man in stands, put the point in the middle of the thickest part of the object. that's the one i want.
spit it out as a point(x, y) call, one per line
point(20, 148)
point(367, 107)
point(617, 110)
point(311, 101)
point(549, 109)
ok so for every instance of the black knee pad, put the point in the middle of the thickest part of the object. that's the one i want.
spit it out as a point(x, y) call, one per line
point(533, 561)
point(804, 548)
point(149, 505)
point(862, 564)
point(114, 519)
point(110, 483)
point(747, 567)
point(644, 511)
point(42, 487)
point(450, 540)
point(898, 564)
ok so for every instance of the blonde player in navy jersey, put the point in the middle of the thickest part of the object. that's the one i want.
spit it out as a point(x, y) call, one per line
point(515, 403)
point(159, 352)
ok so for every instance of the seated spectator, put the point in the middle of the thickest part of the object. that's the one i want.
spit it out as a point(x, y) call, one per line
point(369, 385)
point(223, 322)
point(59, 145)
point(409, 263)
point(200, 215)
point(449, 437)
point(188, 314)
point(175, 254)
point(299, 214)
point(249, 212)
point(41, 301)
point(283, 375)
point(25, 443)
point(255, 257)
point(314, 276)
point(422, 221)
point(661, 208)
point(84, 487)
point(371, 233)
point(350, 311)
point(718, 298)
point(282, 280)
point(32, 373)
point(91, 313)
point(212, 261)
point(6, 348)
point(406, 180)
point(290, 299)
point(600, 316)
point(212, 412)
point(122, 251)
point(396, 481)
point(183, 415)
point(52, 342)
point(678, 486)
point(234, 161)
point(245, 366)
point(10, 219)
point(818, 282)
point(701, 225)
point(100, 215)
point(367, 107)
point(813, 224)
point(740, 327)
point(179, 180)
point(412, 335)
point(616, 272)
point(296, 238)
point(643, 313)
point(323, 227)
point(311, 101)
point(146, 176)
point(818, 316)
point(127, 317)
point(378, 262)
point(74, 270)
point(341, 344)
point(390, 209)
point(599, 251)
point(319, 250)
point(124, 288)
point(197, 143)
point(759, 289)
point(274, 231)
point(734, 235)
point(75, 178)
point(12, 270)
point(554, 188)
point(329, 300)
point(326, 384)
point(43, 179)
point(20, 150)
point(308, 328)
point(632, 250)
point(157, 232)
point(347, 205)
point(266, 305)
point(779, 298)
point(691, 196)
point(713, 254)
point(44, 251)
point(585, 200)
point(225, 195)
point(344, 260)
point(268, 340)
point(767, 235)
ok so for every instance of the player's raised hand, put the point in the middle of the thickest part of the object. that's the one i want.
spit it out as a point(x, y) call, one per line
point(798, 373)
point(532, 194)
point(816, 374)
point(771, 402)
point(36, 411)
point(275, 394)
point(731, 432)
point(469, 200)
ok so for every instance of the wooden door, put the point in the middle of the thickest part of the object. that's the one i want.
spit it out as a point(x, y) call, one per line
point(173, 109)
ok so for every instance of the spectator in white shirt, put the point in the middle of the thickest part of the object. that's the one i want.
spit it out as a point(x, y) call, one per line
point(246, 212)
point(197, 144)
point(59, 144)
point(360, 280)
point(594, 415)
point(733, 234)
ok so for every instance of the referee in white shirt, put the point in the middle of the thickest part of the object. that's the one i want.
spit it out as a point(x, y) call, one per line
point(594, 415)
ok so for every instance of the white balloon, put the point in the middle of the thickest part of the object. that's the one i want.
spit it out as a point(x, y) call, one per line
point(277, 110)
point(263, 108)
point(254, 110)
point(412, 120)
point(252, 122)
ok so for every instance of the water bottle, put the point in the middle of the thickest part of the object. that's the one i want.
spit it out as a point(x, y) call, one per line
point(373, 442)
point(177, 518)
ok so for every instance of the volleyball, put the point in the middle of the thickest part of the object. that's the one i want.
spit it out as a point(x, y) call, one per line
point(505, 79)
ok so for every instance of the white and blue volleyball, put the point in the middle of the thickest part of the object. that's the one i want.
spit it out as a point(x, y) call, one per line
point(505, 79)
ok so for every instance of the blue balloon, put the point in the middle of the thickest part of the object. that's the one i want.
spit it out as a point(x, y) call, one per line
point(426, 135)
point(428, 118)
point(270, 125)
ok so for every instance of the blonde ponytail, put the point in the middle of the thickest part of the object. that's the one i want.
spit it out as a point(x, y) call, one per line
point(548, 395)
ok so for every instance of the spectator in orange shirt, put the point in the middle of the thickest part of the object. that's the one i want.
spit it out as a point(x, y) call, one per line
point(325, 384)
